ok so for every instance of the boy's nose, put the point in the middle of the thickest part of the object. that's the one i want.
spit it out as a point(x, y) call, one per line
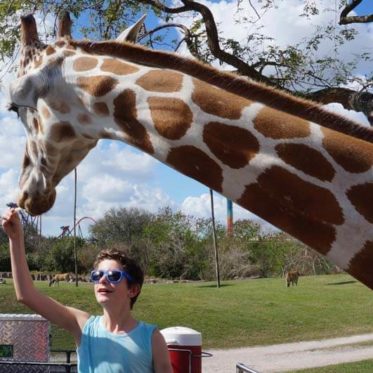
point(103, 279)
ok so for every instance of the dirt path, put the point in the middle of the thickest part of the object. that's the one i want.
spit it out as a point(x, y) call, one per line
point(291, 356)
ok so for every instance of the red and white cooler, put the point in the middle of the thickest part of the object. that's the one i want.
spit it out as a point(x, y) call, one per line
point(185, 349)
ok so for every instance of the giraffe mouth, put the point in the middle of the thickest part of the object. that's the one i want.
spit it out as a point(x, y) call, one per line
point(37, 205)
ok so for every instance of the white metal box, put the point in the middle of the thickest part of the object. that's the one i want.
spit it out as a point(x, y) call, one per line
point(24, 337)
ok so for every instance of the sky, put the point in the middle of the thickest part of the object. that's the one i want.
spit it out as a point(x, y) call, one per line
point(115, 175)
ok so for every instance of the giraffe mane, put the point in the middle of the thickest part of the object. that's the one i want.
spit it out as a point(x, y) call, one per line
point(271, 97)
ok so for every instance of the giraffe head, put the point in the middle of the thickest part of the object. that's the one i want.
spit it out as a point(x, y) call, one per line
point(55, 143)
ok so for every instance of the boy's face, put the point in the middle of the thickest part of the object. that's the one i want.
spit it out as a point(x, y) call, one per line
point(108, 293)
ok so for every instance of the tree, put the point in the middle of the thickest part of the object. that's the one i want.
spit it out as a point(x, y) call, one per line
point(175, 249)
point(296, 68)
point(61, 255)
point(122, 225)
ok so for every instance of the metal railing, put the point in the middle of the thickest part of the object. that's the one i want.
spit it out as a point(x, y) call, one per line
point(33, 367)
point(11, 366)
point(242, 368)
point(191, 356)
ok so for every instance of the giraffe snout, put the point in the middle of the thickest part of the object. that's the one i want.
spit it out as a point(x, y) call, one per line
point(38, 204)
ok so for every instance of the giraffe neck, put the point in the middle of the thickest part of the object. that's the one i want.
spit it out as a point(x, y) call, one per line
point(293, 173)
point(306, 179)
point(29, 56)
point(251, 90)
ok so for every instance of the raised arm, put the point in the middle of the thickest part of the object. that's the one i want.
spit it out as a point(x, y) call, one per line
point(68, 318)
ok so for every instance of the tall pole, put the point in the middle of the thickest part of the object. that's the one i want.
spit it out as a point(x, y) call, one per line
point(229, 217)
point(214, 239)
point(75, 250)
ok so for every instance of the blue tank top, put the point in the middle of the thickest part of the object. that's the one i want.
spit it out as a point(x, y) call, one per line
point(101, 351)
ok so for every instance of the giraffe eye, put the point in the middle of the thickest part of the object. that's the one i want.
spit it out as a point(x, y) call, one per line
point(13, 107)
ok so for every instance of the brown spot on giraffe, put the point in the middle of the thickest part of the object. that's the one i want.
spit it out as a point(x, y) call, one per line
point(361, 197)
point(26, 62)
point(70, 47)
point(125, 115)
point(97, 85)
point(101, 109)
point(278, 125)
point(60, 43)
point(62, 131)
point(352, 154)
point(116, 67)
point(50, 50)
point(313, 201)
point(306, 159)
point(36, 125)
point(196, 164)
point(297, 198)
point(68, 53)
point(26, 161)
point(362, 263)
point(85, 63)
point(317, 234)
point(218, 102)
point(171, 116)
point(84, 118)
point(161, 81)
point(60, 106)
point(234, 146)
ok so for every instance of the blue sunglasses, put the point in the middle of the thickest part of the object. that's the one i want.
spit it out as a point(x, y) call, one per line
point(114, 276)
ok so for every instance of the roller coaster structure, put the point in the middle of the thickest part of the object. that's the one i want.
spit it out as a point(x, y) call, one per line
point(66, 231)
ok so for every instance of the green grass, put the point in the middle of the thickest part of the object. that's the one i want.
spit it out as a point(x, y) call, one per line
point(365, 366)
point(240, 313)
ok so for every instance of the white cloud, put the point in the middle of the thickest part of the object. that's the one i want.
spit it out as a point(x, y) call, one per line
point(105, 192)
point(350, 114)
point(8, 179)
point(200, 206)
point(117, 159)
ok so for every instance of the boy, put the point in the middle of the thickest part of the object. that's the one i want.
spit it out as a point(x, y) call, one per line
point(112, 343)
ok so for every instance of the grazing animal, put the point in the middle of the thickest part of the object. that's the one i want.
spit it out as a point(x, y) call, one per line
point(304, 170)
point(59, 277)
point(291, 278)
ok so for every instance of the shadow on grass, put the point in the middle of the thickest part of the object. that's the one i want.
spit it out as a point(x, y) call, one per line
point(342, 282)
point(213, 286)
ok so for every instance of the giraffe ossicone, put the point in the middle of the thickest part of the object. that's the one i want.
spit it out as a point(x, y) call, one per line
point(304, 170)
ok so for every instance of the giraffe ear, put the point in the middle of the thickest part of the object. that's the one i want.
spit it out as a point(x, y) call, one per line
point(131, 33)
point(64, 25)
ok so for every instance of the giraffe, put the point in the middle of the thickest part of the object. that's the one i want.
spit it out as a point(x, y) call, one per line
point(303, 169)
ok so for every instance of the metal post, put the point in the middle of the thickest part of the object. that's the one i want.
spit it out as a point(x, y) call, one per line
point(229, 217)
point(75, 250)
point(214, 239)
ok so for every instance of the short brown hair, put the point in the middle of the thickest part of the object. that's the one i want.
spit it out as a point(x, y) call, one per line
point(129, 265)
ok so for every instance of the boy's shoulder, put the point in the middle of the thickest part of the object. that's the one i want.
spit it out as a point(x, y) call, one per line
point(146, 327)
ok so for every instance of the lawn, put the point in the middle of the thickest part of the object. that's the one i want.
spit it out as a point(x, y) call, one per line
point(240, 313)
point(365, 366)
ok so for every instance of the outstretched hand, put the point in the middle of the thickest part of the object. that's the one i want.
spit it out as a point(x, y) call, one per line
point(12, 224)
